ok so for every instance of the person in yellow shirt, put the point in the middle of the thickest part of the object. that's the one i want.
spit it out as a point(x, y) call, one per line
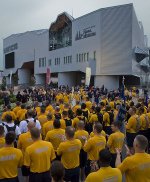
point(78, 117)
point(106, 172)
point(8, 112)
point(69, 151)
point(56, 136)
point(10, 159)
point(49, 108)
point(2, 138)
point(85, 111)
point(132, 127)
point(82, 135)
point(42, 117)
point(77, 106)
point(24, 141)
point(21, 112)
point(93, 146)
point(48, 126)
point(115, 140)
point(97, 116)
point(88, 104)
point(38, 157)
point(108, 119)
point(144, 121)
point(65, 121)
point(17, 108)
point(138, 164)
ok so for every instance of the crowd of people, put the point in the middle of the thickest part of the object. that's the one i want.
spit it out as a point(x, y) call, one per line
point(75, 135)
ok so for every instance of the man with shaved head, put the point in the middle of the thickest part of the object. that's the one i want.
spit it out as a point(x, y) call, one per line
point(137, 166)
point(24, 141)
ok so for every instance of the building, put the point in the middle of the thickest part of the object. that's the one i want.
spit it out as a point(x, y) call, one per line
point(110, 40)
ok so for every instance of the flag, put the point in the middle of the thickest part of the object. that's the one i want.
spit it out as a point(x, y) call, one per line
point(88, 76)
point(48, 76)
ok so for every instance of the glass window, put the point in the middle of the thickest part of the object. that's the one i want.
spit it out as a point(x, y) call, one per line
point(94, 55)
point(42, 62)
point(49, 62)
point(70, 59)
point(64, 60)
point(77, 58)
point(45, 61)
point(84, 56)
point(87, 56)
point(39, 62)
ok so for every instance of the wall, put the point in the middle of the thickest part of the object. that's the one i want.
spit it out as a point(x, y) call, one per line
point(110, 82)
point(24, 76)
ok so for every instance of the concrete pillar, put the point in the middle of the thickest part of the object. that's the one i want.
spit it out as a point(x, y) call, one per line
point(24, 76)
point(40, 79)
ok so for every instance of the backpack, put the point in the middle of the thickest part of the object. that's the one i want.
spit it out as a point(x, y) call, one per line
point(10, 129)
point(68, 122)
point(28, 120)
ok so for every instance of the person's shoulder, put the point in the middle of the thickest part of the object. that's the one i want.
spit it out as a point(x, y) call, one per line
point(94, 176)
point(116, 170)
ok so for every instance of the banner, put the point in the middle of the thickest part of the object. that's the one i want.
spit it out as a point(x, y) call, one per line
point(48, 76)
point(88, 76)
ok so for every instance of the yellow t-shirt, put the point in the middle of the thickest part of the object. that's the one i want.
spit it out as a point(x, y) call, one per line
point(2, 142)
point(21, 113)
point(74, 109)
point(81, 135)
point(106, 119)
point(105, 174)
point(16, 109)
point(94, 145)
point(115, 140)
point(148, 114)
point(143, 121)
point(136, 168)
point(42, 119)
point(50, 109)
point(24, 141)
point(38, 156)
point(88, 105)
point(93, 118)
point(11, 113)
point(69, 151)
point(112, 104)
point(132, 124)
point(56, 136)
point(102, 132)
point(48, 126)
point(10, 159)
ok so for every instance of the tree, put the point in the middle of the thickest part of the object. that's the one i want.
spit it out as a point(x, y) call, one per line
point(15, 79)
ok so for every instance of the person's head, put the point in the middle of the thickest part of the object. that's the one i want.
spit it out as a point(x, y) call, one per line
point(78, 112)
point(30, 125)
point(57, 171)
point(56, 124)
point(104, 158)
point(8, 118)
point(115, 126)
point(77, 102)
point(97, 128)
point(83, 106)
point(23, 106)
point(141, 110)
point(43, 109)
point(29, 113)
point(35, 134)
point(2, 131)
point(10, 138)
point(65, 114)
point(140, 143)
point(49, 117)
point(69, 131)
point(97, 109)
point(132, 110)
point(80, 125)
point(17, 103)
point(108, 108)
point(9, 107)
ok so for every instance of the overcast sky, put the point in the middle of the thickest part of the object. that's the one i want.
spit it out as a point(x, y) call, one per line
point(24, 15)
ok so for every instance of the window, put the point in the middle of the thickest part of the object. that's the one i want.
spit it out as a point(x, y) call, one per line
point(45, 61)
point(70, 59)
point(77, 58)
point(49, 62)
point(87, 56)
point(39, 62)
point(64, 60)
point(84, 56)
point(94, 56)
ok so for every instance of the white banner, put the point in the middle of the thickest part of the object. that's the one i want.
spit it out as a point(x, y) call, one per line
point(88, 76)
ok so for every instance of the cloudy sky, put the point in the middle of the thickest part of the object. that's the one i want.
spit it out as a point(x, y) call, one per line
point(24, 15)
